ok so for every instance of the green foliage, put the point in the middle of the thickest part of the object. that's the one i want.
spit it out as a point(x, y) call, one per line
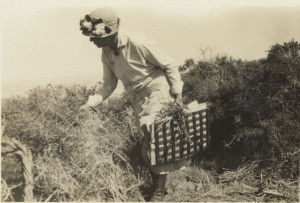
point(77, 157)
point(43, 118)
point(255, 119)
point(179, 116)
point(255, 106)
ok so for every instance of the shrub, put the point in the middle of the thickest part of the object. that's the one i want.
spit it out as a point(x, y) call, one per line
point(254, 112)
point(77, 157)
point(254, 105)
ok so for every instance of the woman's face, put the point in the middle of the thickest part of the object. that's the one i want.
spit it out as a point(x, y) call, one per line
point(109, 41)
point(100, 42)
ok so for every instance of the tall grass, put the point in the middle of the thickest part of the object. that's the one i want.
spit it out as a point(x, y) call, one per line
point(253, 156)
point(78, 157)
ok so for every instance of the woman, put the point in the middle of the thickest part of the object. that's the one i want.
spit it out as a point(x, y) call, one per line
point(147, 72)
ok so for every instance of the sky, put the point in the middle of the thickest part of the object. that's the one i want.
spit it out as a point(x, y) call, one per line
point(41, 43)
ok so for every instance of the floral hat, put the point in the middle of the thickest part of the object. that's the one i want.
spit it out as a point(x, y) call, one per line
point(102, 23)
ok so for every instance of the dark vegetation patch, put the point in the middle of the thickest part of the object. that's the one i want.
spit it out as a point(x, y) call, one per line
point(254, 153)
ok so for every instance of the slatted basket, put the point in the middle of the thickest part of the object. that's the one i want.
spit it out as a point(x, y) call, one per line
point(169, 145)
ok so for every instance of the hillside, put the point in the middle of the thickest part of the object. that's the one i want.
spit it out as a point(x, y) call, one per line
point(253, 156)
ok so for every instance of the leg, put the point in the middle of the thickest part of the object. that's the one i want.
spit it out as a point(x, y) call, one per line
point(159, 183)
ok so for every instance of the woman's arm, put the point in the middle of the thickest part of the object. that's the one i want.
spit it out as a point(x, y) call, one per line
point(159, 58)
point(110, 82)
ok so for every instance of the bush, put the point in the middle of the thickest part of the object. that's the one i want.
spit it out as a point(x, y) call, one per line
point(77, 157)
point(255, 118)
point(255, 106)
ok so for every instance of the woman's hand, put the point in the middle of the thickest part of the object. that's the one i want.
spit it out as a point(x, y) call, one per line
point(178, 99)
point(84, 108)
point(92, 102)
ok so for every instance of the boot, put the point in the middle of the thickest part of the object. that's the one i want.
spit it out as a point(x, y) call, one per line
point(159, 183)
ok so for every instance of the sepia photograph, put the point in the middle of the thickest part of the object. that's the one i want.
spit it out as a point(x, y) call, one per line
point(150, 101)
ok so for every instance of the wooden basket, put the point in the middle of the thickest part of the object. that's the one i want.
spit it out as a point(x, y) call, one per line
point(168, 145)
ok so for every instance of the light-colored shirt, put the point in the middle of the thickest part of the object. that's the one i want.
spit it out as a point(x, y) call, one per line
point(137, 63)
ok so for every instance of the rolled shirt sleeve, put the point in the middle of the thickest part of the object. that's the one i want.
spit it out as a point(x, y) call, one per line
point(157, 57)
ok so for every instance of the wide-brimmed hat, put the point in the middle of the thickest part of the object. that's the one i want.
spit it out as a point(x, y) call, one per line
point(102, 22)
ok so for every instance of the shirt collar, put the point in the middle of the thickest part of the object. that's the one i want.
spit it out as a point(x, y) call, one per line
point(122, 39)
